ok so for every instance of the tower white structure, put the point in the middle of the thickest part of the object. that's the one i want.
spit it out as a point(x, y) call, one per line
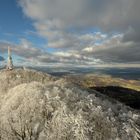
point(9, 60)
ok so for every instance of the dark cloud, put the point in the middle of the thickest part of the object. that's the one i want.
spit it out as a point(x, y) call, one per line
point(107, 14)
point(133, 34)
point(129, 53)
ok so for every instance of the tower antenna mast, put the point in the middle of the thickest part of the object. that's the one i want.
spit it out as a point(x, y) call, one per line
point(9, 60)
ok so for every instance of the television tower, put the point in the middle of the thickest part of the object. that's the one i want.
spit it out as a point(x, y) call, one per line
point(9, 60)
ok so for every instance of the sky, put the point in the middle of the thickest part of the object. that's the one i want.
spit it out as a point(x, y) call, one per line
point(85, 33)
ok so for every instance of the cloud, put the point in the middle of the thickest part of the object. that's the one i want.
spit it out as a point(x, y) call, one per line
point(23, 49)
point(115, 50)
point(2, 58)
point(70, 25)
point(132, 34)
point(107, 14)
point(125, 53)
point(29, 55)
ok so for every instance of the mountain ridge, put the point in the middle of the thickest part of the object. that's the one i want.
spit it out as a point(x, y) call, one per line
point(39, 106)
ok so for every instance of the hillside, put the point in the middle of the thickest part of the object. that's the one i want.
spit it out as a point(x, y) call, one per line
point(94, 80)
point(125, 91)
point(37, 106)
point(127, 96)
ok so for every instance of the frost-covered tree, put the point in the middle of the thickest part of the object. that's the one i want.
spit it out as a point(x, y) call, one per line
point(57, 110)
